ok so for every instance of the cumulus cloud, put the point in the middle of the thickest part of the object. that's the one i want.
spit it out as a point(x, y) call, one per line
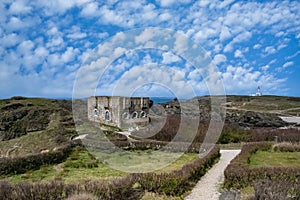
point(169, 58)
point(241, 80)
point(58, 37)
point(19, 7)
point(270, 50)
point(10, 40)
point(219, 58)
point(90, 10)
point(238, 54)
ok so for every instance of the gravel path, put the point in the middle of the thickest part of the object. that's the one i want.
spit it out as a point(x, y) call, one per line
point(208, 186)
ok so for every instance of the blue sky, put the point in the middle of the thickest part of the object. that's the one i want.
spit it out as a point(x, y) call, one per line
point(44, 45)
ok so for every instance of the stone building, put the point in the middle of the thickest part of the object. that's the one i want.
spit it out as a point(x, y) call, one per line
point(123, 112)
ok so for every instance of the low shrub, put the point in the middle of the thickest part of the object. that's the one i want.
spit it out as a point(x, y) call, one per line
point(233, 134)
point(56, 190)
point(178, 182)
point(286, 147)
point(82, 196)
point(131, 187)
point(276, 190)
point(269, 134)
point(18, 165)
point(239, 174)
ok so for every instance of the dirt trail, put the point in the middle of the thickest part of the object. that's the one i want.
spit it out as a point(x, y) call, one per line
point(208, 186)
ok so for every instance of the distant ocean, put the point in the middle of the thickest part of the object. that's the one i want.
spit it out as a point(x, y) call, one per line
point(157, 100)
point(164, 99)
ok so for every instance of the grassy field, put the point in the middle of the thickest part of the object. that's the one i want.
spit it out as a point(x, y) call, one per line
point(275, 159)
point(81, 166)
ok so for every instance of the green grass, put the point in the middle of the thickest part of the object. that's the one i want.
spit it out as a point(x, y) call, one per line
point(145, 161)
point(275, 159)
point(32, 142)
point(81, 166)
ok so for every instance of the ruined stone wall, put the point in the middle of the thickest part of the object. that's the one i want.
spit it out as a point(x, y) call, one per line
point(123, 112)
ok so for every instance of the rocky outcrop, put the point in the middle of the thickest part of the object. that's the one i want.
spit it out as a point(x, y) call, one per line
point(255, 119)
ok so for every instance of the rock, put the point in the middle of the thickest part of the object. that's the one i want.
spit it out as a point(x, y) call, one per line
point(12, 106)
point(255, 119)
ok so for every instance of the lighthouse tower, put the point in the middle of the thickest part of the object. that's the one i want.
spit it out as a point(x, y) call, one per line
point(258, 93)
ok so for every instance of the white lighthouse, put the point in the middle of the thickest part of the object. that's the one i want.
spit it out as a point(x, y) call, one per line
point(258, 93)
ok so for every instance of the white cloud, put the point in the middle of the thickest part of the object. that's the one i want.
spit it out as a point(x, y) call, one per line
point(16, 23)
point(165, 16)
point(166, 3)
point(225, 33)
point(288, 64)
point(75, 33)
point(90, 10)
point(25, 47)
point(292, 56)
point(240, 80)
point(265, 68)
point(219, 58)
point(19, 7)
point(138, 76)
point(270, 50)
point(69, 55)
point(169, 58)
point(214, 25)
point(58, 6)
point(41, 52)
point(244, 36)
point(257, 46)
point(10, 40)
point(238, 54)
point(281, 46)
point(54, 42)
point(279, 34)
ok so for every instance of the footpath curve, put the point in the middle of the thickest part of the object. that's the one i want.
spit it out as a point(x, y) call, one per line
point(208, 186)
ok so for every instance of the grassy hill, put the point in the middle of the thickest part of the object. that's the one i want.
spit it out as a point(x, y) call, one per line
point(31, 125)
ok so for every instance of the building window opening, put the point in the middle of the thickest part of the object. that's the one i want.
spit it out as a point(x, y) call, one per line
point(107, 115)
point(125, 115)
point(134, 115)
point(143, 114)
point(96, 112)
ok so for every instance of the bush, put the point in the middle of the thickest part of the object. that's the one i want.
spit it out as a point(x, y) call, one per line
point(286, 147)
point(238, 174)
point(276, 190)
point(82, 196)
point(283, 135)
point(179, 181)
point(22, 164)
point(56, 190)
point(131, 187)
point(233, 134)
